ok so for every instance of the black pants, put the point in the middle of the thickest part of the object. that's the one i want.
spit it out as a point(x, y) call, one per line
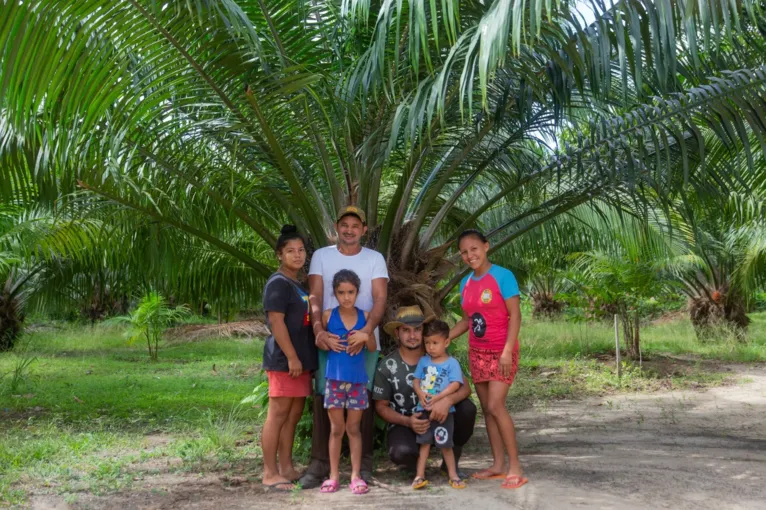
point(404, 450)
point(320, 438)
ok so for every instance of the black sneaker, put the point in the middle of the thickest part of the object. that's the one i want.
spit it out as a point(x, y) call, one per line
point(310, 481)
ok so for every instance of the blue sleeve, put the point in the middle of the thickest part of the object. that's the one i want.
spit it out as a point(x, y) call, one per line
point(505, 279)
point(455, 373)
point(462, 286)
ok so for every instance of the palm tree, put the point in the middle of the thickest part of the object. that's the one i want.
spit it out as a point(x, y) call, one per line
point(223, 119)
point(33, 246)
point(724, 263)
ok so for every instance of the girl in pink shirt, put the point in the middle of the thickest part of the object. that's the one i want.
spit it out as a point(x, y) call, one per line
point(489, 297)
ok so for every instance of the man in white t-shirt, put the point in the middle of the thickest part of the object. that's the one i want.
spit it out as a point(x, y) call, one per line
point(373, 273)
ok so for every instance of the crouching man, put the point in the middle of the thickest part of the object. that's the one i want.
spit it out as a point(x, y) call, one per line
point(395, 399)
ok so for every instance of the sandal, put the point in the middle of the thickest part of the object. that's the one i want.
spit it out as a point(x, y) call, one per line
point(488, 475)
point(329, 486)
point(514, 482)
point(419, 483)
point(278, 487)
point(457, 483)
point(358, 486)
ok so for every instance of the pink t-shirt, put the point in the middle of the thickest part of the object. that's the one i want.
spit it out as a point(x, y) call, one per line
point(483, 301)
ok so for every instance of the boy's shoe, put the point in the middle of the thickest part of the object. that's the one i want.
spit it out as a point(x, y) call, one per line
point(309, 481)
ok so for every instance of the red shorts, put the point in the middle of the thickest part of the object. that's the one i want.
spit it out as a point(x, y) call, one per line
point(485, 365)
point(282, 385)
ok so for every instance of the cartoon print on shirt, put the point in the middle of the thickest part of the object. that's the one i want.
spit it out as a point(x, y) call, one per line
point(429, 381)
point(486, 296)
point(478, 325)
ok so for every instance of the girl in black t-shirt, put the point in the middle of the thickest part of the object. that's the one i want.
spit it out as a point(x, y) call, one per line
point(289, 357)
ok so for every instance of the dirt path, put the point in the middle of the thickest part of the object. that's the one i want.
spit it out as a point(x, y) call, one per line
point(681, 449)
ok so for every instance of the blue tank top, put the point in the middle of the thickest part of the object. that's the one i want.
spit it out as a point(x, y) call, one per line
point(341, 366)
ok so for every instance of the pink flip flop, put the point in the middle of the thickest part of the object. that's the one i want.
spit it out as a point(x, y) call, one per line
point(329, 486)
point(358, 486)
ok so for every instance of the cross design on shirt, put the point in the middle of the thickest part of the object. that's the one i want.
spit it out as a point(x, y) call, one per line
point(395, 382)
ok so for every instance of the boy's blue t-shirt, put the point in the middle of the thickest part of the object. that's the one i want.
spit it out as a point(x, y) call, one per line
point(435, 377)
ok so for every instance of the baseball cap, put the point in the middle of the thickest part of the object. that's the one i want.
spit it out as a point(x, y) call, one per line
point(353, 210)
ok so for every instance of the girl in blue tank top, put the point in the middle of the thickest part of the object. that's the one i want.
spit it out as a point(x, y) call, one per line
point(345, 392)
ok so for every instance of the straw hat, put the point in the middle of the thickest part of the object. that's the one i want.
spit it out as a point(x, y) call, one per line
point(407, 316)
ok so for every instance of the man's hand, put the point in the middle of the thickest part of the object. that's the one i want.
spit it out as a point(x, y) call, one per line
point(439, 410)
point(506, 362)
point(295, 367)
point(329, 342)
point(419, 425)
point(356, 341)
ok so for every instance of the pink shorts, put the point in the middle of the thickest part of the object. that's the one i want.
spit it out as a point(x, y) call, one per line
point(282, 385)
point(485, 365)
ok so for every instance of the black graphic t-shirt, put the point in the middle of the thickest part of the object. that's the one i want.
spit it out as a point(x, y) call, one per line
point(286, 296)
point(393, 382)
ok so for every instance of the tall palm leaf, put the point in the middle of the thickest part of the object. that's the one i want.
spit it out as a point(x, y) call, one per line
point(225, 119)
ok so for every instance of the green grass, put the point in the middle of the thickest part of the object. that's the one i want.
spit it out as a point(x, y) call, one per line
point(88, 395)
point(91, 377)
point(84, 416)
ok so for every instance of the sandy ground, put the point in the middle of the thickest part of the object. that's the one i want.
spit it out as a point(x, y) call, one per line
point(681, 449)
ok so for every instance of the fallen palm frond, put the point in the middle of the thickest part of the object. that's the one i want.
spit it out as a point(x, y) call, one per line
point(240, 329)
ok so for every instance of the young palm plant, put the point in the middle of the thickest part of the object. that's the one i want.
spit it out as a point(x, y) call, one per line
point(626, 268)
point(149, 321)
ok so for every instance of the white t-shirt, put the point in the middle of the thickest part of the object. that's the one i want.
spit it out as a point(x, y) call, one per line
point(368, 264)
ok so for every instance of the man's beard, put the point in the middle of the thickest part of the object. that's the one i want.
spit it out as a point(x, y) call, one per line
point(413, 348)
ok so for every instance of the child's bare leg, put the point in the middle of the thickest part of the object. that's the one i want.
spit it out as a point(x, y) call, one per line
point(498, 392)
point(337, 429)
point(449, 460)
point(354, 434)
point(287, 438)
point(425, 449)
point(495, 438)
point(279, 412)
